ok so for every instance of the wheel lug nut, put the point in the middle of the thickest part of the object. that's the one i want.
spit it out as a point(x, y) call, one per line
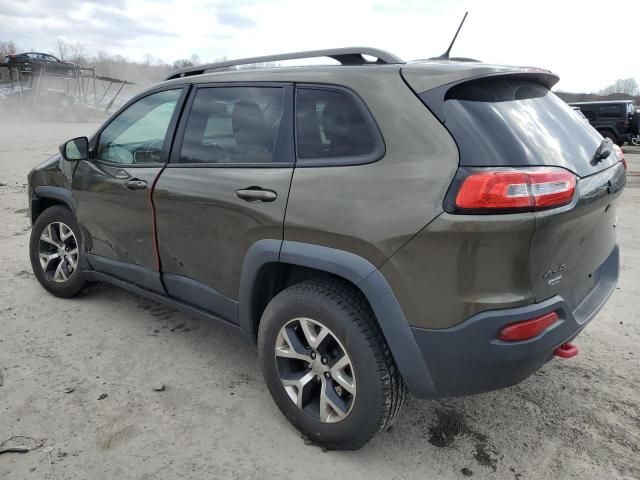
point(327, 374)
point(325, 360)
point(313, 354)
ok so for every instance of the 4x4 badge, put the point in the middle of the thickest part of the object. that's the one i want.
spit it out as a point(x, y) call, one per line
point(554, 276)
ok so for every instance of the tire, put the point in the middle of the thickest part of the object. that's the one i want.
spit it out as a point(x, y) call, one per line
point(609, 135)
point(51, 279)
point(378, 389)
point(635, 123)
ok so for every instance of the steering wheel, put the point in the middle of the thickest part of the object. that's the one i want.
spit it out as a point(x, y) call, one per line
point(119, 154)
point(150, 153)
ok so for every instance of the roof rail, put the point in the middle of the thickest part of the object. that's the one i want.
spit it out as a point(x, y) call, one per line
point(346, 56)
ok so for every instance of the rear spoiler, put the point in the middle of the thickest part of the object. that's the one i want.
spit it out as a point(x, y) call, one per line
point(434, 98)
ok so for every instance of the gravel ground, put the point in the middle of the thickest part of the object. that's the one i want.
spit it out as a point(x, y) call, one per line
point(79, 376)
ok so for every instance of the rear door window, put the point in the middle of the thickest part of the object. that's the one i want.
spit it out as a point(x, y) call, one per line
point(234, 125)
point(332, 126)
point(517, 122)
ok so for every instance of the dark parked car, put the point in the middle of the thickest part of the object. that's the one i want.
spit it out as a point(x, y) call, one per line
point(441, 227)
point(34, 62)
point(614, 119)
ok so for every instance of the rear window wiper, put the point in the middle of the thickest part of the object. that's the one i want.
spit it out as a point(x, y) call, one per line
point(603, 151)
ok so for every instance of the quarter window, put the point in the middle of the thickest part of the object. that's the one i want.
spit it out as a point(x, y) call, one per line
point(610, 111)
point(231, 125)
point(136, 136)
point(330, 125)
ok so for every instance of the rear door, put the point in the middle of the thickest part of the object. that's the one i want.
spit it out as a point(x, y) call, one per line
point(573, 247)
point(225, 187)
point(112, 188)
point(515, 122)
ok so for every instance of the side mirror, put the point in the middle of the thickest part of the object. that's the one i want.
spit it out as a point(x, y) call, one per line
point(75, 149)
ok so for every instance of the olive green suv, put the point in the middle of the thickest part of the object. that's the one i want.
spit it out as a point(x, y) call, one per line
point(439, 227)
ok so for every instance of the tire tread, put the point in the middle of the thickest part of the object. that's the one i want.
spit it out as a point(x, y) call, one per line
point(355, 306)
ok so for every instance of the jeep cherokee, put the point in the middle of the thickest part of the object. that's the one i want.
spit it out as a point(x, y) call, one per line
point(439, 227)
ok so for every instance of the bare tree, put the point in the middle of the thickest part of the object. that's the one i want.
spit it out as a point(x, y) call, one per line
point(7, 48)
point(62, 49)
point(182, 63)
point(102, 57)
point(195, 59)
point(77, 53)
point(628, 86)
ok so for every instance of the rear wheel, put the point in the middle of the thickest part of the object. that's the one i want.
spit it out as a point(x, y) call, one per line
point(55, 250)
point(327, 364)
point(609, 135)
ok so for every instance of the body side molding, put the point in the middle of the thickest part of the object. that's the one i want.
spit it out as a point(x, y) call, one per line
point(94, 276)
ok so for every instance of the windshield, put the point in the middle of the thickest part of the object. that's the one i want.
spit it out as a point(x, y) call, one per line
point(516, 122)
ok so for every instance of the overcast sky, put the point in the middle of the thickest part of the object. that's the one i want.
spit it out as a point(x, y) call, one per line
point(584, 44)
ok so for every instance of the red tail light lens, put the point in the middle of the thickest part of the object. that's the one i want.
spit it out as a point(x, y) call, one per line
point(620, 155)
point(527, 189)
point(528, 328)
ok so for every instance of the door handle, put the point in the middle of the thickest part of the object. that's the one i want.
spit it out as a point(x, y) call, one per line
point(135, 184)
point(256, 194)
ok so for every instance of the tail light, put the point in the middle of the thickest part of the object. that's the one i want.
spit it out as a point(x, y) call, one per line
point(506, 190)
point(620, 155)
point(528, 328)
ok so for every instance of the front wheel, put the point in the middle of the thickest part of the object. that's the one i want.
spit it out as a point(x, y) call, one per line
point(55, 250)
point(327, 365)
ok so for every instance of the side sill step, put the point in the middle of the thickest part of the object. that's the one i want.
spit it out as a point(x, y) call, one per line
point(94, 276)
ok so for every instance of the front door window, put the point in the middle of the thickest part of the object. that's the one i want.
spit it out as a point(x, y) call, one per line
point(137, 135)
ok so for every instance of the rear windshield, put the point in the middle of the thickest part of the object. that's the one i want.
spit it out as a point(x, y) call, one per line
point(517, 122)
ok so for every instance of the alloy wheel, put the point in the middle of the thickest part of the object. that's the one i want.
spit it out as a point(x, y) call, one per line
point(58, 252)
point(315, 370)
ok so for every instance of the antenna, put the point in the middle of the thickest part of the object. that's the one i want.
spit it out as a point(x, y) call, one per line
point(445, 55)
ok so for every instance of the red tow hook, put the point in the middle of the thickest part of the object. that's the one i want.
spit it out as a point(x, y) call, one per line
point(566, 350)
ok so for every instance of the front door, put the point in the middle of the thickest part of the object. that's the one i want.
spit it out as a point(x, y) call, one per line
point(112, 188)
point(225, 187)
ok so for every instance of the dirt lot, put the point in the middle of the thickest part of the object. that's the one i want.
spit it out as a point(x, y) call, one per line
point(80, 375)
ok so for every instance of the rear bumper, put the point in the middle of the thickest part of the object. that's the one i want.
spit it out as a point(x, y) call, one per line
point(469, 358)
